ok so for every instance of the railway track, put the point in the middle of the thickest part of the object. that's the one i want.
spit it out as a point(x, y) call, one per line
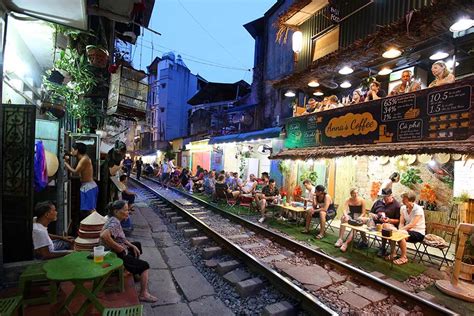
point(318, 282)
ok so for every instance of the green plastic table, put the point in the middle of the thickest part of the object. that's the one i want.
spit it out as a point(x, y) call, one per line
point(77, 269)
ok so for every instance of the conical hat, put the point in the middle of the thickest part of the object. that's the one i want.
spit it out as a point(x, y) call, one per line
point(83, 241)
point(94, 219)
point(52, 163)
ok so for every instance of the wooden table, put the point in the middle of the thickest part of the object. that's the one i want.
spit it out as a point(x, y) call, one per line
point(298, 211)
point(78, 269)
point(396, 236)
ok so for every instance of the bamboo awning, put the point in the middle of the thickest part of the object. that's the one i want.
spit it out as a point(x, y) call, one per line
point(465, 147)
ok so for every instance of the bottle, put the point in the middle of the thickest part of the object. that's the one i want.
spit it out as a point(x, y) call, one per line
point(284, 200)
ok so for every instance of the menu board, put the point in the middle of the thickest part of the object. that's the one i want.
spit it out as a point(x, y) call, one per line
point(441, 114)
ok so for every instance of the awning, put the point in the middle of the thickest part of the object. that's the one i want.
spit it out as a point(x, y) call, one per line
point(242, 108)
point(450, 147)
point(263, 133)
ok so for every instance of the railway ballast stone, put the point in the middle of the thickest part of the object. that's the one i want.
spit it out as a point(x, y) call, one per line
point(180, 225)
point(397, 310)
point(190, 232)
point(238, 237)
point(279, 309)
point(370, 294)
point(354, 300)
point(224, 267)
point(252, 246)
point(236, 276)
point(196, 241)
point(211, 263)
point(313, 277)
point(175, 219)
point(210, 252)
point(170, 214)
point(249, 287)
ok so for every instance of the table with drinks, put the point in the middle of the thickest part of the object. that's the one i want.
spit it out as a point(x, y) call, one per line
point(297, 211)
point(81, 267)
point(376, 232)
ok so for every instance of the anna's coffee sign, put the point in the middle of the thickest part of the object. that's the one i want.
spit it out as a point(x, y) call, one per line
point(440, 114)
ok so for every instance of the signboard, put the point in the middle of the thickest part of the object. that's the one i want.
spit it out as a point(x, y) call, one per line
point(440, 114)
point(463, 178)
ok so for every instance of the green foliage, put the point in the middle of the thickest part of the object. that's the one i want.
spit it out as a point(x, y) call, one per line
point(284, 167)
point(169, 154)
point(463, 198)
point(310, 175)
point(448, 180)
point(365, 84)
point(410, 178)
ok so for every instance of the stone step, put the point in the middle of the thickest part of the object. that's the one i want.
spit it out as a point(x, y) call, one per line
point(196, 241)
point(170, 214)
point(190, 232)
point(224, 267)
point(210, 252)
point(236, 276)
point(249, 287)
point(180, 225)
point(279, 309)
point(175, 219)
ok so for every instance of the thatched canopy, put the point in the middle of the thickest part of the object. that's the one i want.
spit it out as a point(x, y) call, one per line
point(465, 147)
point(406, 33)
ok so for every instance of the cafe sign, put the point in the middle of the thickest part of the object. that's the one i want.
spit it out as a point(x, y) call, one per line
point(441, 114)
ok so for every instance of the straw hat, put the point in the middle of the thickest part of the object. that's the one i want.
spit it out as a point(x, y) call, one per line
point(52, 163)
point(94, 219)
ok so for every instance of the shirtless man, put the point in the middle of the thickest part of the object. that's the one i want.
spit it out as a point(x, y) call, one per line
point(89, 189)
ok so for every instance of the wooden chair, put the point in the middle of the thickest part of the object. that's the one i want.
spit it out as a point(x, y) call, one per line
point(9, 305)
point(447, 233)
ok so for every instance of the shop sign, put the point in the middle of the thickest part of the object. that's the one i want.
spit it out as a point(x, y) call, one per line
point(427, 115)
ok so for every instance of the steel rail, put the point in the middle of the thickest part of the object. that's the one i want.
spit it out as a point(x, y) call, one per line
point(428, 307)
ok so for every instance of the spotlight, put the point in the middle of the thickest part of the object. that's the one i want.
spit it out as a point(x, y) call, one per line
point(439, 55)
point(385, 71)
point(392, 53)
point(313, 84)
point(462, 25)
point(318, 93)
point(290, 94)
point(346, 70)
point(346, 84)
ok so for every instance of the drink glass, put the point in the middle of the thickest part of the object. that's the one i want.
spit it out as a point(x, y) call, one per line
point(99, 254)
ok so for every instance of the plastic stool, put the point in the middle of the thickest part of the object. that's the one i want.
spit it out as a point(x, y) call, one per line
point(35, 273)
point(120, 286)
point(136, 310)
point(9, 305)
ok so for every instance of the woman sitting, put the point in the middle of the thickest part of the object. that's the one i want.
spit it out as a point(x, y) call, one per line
point(357, 97)
point(439, 69)
point(353, 209)
point(222, 189)
point(412, 220)
point(113, 238)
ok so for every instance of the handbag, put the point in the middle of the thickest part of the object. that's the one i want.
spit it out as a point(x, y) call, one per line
point(355, 222)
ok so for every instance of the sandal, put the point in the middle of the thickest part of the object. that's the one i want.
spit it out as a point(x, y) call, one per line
point(400, 261)
point(319, 236)
point(148, 299)
point(305, 231)
point(343, 247)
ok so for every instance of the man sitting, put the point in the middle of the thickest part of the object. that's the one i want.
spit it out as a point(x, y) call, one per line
point(222, 190)
point(269, 193)
point(322, 205)
point(48, 246)
point(385, 211)
point(248, 188)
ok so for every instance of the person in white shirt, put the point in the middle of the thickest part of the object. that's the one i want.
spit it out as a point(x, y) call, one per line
point(310, 189)
point(249, 186)
point(48, 246)
point(412, 220)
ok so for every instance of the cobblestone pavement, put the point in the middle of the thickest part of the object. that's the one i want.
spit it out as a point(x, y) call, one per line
point(179, 286)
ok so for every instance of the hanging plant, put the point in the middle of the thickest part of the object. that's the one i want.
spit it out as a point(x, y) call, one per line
point(310, 175)
point(284, 167)
point(411, 178)
point(98, 56)
point(365, 83)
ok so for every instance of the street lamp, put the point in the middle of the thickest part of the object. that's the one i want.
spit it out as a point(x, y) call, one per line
point(296, 44)
point(462, 25)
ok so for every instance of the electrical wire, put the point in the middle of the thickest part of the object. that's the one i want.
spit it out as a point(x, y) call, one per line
point(209, 33)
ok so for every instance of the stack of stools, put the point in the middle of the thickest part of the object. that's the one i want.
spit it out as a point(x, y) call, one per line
point(89, 232)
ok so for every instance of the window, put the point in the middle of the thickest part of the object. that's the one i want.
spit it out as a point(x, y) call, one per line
point(326, 43)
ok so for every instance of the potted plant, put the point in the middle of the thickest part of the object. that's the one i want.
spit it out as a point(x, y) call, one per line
point(428, 197)
point(463, 205)
point(411, 178)
point(310, 175)
point(98, 57)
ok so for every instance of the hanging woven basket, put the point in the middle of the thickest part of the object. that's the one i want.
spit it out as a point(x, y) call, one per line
point(98, 57)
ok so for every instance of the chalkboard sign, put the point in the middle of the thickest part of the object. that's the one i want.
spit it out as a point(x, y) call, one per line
point(399, 107)
point(449, 101)
point(440, 113)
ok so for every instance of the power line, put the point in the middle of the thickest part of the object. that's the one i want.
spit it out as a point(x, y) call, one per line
point(203, 62)
point(208, 33)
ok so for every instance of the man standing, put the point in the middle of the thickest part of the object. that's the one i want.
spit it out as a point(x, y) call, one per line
point(385, 211)
point(139, 165)
point(128, 165)
point(48, 246)
point(89, 189)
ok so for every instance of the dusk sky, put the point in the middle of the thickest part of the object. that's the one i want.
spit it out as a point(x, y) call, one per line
point(224, 41)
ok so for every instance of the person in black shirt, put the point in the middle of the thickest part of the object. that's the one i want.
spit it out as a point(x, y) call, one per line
point(222, 189)
point(386, 211)
point(270, 194)
point(375, 92)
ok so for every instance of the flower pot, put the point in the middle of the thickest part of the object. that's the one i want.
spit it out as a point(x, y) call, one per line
point(98, 57)
point(56, 77)
point(467, 270)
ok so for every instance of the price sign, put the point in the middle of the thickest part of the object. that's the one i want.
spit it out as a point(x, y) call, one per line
point(398, 108)
point(410, 130)
point(449, 101)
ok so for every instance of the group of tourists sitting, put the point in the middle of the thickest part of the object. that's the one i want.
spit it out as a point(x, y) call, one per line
point(48, 246)
point(408, 84)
